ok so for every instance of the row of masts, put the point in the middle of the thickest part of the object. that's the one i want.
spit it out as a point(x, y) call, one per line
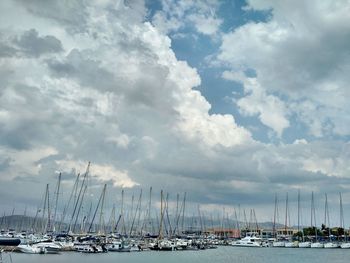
point(139, 220)
point(80, 215)
point(313, 222)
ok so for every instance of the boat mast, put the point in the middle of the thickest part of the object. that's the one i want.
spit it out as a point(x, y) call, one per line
point(56, 202)
point(138, 206)
point(97, 207)
point(66, 207)
point(46, 225)
point(149, 223)
point(130, 212)
point(160, 233)
point(298, 210)
point(22, 219)
point(313, 215)
point(183, 213)
point(78, 200)
point(111, 221)
point(123, 228)
point(286, 219)
point(342, 225)
point(327, 221)
point(274, 218)
point(79, 208)
point(101, 221)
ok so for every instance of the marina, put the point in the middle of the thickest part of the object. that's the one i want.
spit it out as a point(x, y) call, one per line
point(141, 227)
point(220, 255)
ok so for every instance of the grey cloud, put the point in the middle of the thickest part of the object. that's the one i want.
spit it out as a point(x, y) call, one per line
point(87, 71)
point(70, 13)
point(7, 51)
point(5, 163)
point(32, 44)
point(299, 54)
point(63, 112)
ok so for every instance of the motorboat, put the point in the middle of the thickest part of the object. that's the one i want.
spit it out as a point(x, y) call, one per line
point(118, 246)
point(88, 248)
point(31, 249)
point(248, 241)
point(50, 247)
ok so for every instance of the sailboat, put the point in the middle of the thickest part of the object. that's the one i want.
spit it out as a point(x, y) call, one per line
point(303, 243)
point(276, 243)
point(290, 243)
point(345, 243)
point(315, 244)
point(330, 243)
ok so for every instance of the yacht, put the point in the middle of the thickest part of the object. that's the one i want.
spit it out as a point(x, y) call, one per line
point(248, 241)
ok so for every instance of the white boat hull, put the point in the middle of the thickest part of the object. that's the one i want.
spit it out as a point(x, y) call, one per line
point(305, 244)
point(278, 244)
point(245, 244)
point(345, 245)
point(31, 249)
point(331, 245)
point(317, 245)
point(292, 244)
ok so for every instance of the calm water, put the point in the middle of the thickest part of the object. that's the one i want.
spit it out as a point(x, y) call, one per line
point(222, 254)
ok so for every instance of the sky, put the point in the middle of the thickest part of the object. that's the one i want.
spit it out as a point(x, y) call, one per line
point(230, 101)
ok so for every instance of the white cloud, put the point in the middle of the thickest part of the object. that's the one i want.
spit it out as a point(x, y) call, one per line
point(175, 15)
point(24, 162)
point(301, 54)
point(271, 110)
point(117, 96)
point(103, 173)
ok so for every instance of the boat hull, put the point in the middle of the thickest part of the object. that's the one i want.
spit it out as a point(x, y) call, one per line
point(305, 244)
point(317, 245)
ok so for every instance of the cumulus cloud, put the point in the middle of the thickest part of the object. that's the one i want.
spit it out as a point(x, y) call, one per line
point(34, 45)
point(299, 54)
point(114, 95)
point(176, 15)
point(106, 87)
point(271, 110)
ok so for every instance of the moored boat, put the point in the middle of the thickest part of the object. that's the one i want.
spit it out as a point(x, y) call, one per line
point(305, 244)
point(248, 241)
point(331, 245)
point(317, 245)
point(291, 244)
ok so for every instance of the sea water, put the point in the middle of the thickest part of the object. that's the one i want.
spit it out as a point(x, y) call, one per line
point(224, 254)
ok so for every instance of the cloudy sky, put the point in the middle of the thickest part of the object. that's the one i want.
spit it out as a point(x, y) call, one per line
point(229, 101)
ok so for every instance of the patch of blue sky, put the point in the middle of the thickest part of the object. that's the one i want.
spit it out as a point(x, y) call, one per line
point(234, 14)
point(195, 48)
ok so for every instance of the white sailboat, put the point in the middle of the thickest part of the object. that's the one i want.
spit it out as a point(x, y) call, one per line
point(276, 242)
point(302, 243)
point(330, 243)
point(345, 244)
point(316, 243)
